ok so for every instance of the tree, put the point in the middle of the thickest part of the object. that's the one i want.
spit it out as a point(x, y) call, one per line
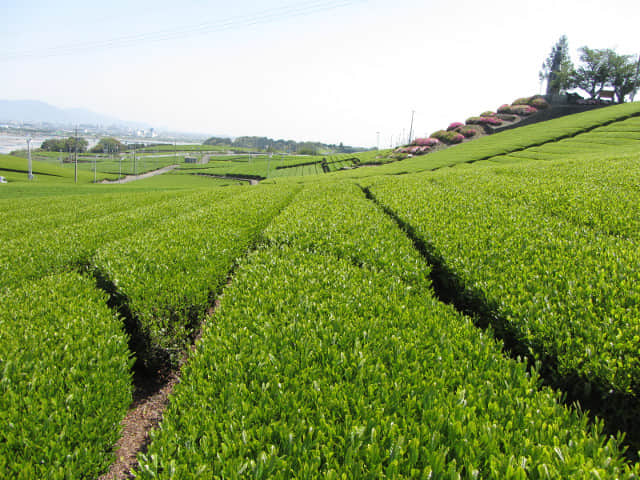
point(622, 75)
point(72, 144)
point(605, 68)
point(557, 69)
point(594, 72)
point(108, 145)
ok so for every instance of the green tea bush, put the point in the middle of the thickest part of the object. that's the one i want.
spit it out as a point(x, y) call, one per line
point(65, 382)
point(326, 360)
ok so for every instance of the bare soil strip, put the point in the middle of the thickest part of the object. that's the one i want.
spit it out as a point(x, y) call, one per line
point(150, 399)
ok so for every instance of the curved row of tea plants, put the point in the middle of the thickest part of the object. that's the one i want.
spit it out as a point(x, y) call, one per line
point(71, 243)
point(329, 358)
point(168, 277)
point(65, 383)
point(565, 285)
point(507, 142)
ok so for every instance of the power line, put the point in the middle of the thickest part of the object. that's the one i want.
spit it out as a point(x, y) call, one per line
point(232, 23)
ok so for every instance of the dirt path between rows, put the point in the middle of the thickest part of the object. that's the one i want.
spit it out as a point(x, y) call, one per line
point(150, 399)
point(131, 178)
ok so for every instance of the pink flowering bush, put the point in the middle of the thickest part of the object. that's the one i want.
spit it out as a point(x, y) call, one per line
point(426, 142)
point(506, 108)
point(493, 121)
point(448, 137)
point(523, 110)
point(539, 103)
point(488, 114)
point(522, 101)
point(507, 117)
point(454, 126)
point(468, 131)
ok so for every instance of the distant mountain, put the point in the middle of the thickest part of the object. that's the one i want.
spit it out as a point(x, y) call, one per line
point(36, 111)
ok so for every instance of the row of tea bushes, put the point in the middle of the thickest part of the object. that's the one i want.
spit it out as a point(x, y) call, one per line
point(65, 383)
point(49, 249)
point(566, 288)
point(168, 277)
point(326, 360)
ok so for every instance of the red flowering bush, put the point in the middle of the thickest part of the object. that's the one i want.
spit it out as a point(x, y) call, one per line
point(454, 126)
point(448, 137)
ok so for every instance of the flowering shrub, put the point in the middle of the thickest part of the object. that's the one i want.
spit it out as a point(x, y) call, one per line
point(468, 131)
point(426, 142)
point(522, 101)
point(448, 137)
point(523, 109)
point(488, 114)
point(507, 117)
point(484, 121)
point(506, 108)
point(539, 103)
point(454, 126)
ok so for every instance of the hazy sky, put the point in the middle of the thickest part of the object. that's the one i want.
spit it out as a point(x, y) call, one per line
point(327, 70)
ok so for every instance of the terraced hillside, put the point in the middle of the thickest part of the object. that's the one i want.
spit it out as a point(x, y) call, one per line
point(355, 324)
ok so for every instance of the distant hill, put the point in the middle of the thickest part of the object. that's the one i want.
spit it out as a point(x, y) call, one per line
point(37, 111)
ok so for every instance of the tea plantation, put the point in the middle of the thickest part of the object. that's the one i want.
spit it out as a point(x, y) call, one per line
point(470, 313)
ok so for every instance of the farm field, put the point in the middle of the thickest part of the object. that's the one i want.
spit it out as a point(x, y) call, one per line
point(361, 323)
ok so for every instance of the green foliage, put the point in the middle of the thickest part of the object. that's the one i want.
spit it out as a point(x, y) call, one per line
point(70, 144)
point(549, 250)
point(64, 381)
point(448, 137)
point(168, 303)
point(603, 67)
point(508, 141)
point(557, 68)
point(329, 358)
point(108, 145)
point(65, 234)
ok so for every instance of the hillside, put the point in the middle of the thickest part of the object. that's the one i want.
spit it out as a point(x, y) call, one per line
point(469, 313)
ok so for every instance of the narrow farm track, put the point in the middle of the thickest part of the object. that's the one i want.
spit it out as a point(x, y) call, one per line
point(131, 178)
point(150, 400)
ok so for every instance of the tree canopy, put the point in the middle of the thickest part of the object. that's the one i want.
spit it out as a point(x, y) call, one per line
point(598, 70)
point(558, 67)
point(108, 145)
point(70, 144)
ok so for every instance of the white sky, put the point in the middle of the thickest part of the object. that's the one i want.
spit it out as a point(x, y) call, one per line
point(340, 71)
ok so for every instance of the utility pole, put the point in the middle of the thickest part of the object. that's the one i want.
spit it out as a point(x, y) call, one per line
point(122, 155)
point(135, 171)
point(75, 150)
point(411, 128)
point(30, 177)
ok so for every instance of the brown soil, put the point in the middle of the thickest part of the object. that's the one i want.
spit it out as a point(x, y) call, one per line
point(150, 399)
